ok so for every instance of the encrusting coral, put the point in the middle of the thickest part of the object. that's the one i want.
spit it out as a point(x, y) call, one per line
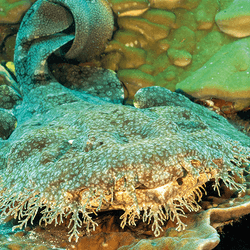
point(73, 154)
point(171, 38)
point(225, 76)
point(234, 20)
point(11, 11)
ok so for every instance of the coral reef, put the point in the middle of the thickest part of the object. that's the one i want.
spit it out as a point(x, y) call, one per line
point(11, 11)
point(225, 76)
point(234, 20)
point(7, 41)
point(162, 43)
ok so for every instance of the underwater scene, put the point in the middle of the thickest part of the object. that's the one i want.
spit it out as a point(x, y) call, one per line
point(124, 124)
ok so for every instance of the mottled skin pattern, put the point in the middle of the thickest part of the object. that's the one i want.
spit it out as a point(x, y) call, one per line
point(73, 153)
point(48, 26)
point(78, 156)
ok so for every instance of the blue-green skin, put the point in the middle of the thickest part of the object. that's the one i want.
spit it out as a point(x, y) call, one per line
point(42, 32)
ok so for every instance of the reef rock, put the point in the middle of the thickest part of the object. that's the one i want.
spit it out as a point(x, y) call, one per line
point(235, 20)
point(225, 76)
point(163, 42)
point(12, 11)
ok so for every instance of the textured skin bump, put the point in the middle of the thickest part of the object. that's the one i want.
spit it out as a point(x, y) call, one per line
point(157, 96)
